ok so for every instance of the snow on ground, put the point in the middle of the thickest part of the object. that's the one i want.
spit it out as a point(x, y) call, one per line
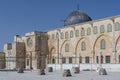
point(57, 75)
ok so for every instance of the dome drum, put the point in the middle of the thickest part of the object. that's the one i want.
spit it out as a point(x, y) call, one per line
point(76, 17)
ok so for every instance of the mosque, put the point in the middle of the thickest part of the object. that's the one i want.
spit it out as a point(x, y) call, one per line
point(80, 41)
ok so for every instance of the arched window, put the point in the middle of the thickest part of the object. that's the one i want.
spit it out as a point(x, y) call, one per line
point(77, 33)
point(82, 32)
point(71, 34)
point(102, 30)
point(109, 28)
point(62, 35)
point(66, 35)
point(102, 44)
point(29, 42)
point(67, 47)
point(53, 36)
point(117, 26)
point(83, 46)
point(95, 31)
point(48, 37)
point(88, 31)
point(57, 35)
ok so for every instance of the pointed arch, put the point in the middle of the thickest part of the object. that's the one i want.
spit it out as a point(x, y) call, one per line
point(52, 50)
point(68, 46)
point(62, 45)
point(77, 44)
point(95, 58)
point(116, 42)
point(96, 42)
point(83, 45)
point(101, 44)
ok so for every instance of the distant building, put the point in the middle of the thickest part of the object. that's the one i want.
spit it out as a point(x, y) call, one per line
point(80, 40)
point(27, 51)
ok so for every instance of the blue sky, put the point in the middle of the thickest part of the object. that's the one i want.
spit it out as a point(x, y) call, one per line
point(18, 17)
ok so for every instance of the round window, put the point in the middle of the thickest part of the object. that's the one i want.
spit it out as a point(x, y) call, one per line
point(29, 42)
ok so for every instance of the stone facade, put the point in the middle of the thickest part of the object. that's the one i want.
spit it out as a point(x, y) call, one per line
point(86, 40)
point(27, 51)
point(77, 43)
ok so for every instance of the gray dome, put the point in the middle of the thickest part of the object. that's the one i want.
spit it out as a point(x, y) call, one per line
point(76, 17)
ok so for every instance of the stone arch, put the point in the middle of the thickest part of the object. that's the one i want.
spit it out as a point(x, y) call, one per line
point(52, 54)
point(77, 44)
point(105, 52)
point(85, 53)
point(96, 41)
point(117, 48)
point(62, 45)
point(62, 51)
point(76, 47)
point(117, 41)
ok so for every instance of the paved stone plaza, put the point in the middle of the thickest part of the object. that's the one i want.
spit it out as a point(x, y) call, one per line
point(57, 75)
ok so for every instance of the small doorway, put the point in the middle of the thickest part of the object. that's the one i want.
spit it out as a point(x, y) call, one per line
point(53, 61)
point(27, 63)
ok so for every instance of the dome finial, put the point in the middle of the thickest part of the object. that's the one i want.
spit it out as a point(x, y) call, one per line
point(78, 7)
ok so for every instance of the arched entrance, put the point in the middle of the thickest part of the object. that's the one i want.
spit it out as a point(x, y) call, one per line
point(52, 55)
point(103, 47)
point(53, 61)
point(83, 51)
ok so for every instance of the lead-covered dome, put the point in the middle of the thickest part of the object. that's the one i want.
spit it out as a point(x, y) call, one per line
point(76, 17)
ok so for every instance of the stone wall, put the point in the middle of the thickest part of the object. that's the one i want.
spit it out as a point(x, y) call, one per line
point(2, 60)
point(20, 54)
point(92, 41)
